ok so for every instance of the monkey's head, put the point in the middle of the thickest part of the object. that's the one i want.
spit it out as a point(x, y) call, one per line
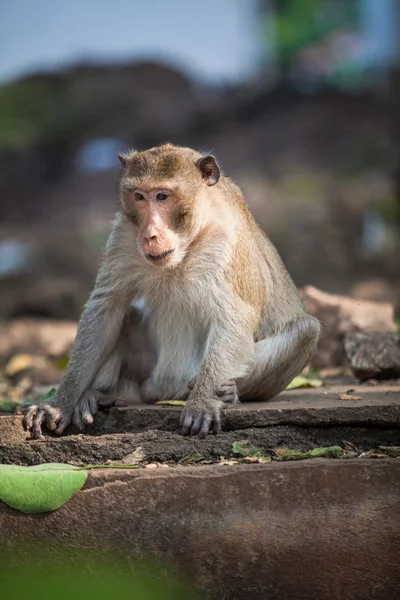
point(163, 192)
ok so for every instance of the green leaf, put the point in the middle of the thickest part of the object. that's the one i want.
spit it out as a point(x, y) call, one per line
point(41, 488)
point(304, 382)
point(47, 396)
point(284, 453)
point(8, 406)
point(242, 447)
point(61, 362)
point(191, 458)
point(329, 452)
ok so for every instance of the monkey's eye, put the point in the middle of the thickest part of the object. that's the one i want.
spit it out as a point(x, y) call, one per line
point(162, 196)
point(139, 196)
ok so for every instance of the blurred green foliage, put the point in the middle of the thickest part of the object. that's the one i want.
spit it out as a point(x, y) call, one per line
point(31, 111)
point(300, 24)
point(101, 577)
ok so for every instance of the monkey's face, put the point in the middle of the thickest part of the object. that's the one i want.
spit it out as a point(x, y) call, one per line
point(163, 192)
point(159, 217)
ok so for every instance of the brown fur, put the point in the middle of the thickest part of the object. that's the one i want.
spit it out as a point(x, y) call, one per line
point(222, 312)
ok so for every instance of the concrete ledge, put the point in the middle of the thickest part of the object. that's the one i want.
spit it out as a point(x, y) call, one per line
point(303, 419)
point(310, 530)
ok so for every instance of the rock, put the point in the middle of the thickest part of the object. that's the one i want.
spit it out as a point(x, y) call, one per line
point(373, 354)
point(339, 316)
point(36, 336)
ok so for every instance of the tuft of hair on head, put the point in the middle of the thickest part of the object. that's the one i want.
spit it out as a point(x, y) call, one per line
point(125, 157)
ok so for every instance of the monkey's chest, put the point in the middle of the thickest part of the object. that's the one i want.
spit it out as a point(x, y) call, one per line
point(180, 337)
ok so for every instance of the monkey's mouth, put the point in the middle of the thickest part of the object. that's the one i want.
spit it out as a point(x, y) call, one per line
point(160, 256)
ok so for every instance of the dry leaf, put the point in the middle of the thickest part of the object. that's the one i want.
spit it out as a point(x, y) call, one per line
point(304, 382)
point(228, 462)
point(350, 446)
point(170, 403)
point(135, 457)
point(348, 397)
point(23, 362)
point(334, 372)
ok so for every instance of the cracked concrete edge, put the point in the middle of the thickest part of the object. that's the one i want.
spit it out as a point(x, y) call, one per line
point(306, 408)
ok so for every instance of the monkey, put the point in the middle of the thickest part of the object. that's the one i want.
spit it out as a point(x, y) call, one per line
point(190, 281)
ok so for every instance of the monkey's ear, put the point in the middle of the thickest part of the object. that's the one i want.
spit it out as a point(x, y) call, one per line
point(209, 169)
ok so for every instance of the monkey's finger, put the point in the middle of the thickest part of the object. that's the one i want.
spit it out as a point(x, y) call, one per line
point(106, 402)
point(191, 383)
point(86, 412)
point(52, 419)
point(187, 424)
point(93, 404)
point(36, 431)
point(205, 427)
point(196, 425)
point(29, 416)
point(76, 417)
point(217, 425)
point(63, 424)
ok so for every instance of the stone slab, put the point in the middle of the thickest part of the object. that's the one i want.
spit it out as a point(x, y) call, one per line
point(285, 531)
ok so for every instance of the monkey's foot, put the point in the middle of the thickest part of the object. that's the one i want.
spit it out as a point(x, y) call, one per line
point(201, 417)
point(57, 418)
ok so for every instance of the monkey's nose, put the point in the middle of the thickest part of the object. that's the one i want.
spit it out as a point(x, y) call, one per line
point(150, 238)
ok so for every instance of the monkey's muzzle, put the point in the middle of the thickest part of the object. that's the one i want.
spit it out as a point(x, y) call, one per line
point(159, 257)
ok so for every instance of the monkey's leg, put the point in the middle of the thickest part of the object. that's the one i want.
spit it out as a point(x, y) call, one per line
point(279, 358)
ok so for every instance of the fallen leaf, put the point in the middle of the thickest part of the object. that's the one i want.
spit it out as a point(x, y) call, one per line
point(8, 406)
point(372, 454)
point(390, 450)
point(41, 488)
point(23, 362)
point(61, 362)
point(135, 457)
point(328, 452)
point(304, 382)
point(348, 397)
point(191, 458)
point(229, 462)
point(242, 447)
point(47, 396)
point(284, 453)
point(334, 372)
point(171, 403)
point(350, 446)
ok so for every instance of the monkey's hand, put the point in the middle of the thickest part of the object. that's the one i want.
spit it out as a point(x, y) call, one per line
point(227, 392)
point(200, 416)
point(57, 415)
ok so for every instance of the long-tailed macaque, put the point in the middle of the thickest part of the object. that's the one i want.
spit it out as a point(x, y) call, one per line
point(191, 302)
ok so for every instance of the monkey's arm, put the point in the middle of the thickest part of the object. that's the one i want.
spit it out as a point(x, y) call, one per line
point(229, 350)
point(98, 331)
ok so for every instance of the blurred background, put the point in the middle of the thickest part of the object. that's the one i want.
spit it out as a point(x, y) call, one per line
point(299, 101)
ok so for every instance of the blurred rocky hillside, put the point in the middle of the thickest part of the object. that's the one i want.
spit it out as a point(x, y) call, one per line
point(317, 170)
